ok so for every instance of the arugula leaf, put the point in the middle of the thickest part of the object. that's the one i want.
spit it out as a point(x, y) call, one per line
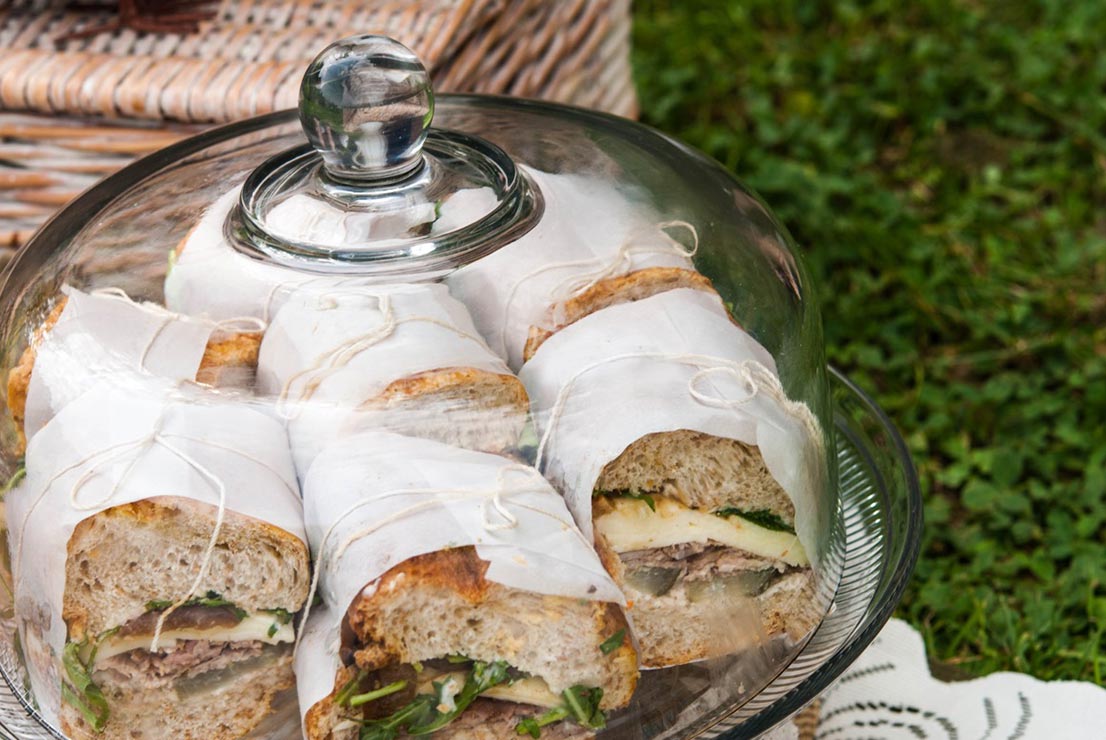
point(532, 725)
point(761, 517)
point(392, 688)
point(344, 694)
point(423, 715)
point(80, 691)
point(483, 677)
point(283, 616)
point(389, 728)
point(583, 704)
point(613, 642)
point(210, 599)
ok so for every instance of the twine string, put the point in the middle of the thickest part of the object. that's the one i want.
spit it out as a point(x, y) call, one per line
point(338, 357)
point(167, 317)
point(597, 270)
point(494, 500)
point(756, 378)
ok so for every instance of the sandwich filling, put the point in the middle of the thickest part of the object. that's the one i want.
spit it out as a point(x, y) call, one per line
point(668, 548)
point(422, 698)
point(203, 644)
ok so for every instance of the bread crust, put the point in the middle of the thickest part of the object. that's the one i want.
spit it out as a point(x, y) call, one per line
point(633, 286)
point(320, 720)
point(455, 578)
point(227, 352)
point(451, 378)
point(86, 578)
point(19, 377)
point(462, 406)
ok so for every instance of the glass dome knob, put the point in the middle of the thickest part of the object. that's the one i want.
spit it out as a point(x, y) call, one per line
point(366, 105)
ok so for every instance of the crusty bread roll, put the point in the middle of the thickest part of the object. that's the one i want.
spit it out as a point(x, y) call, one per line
point(218, 667)
point(697, 585)
point(455, 580)
point(701, 484)
point(440, 604)
point(633, 286)
point(108, 578)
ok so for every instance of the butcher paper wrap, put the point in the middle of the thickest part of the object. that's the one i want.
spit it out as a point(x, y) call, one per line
point(669, 362)
point(114, 446)
point(105, 336)
point(379, 499)
point(329, 351)
point(588, 232)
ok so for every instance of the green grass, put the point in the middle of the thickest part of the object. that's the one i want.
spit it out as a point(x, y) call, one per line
point(943, 165)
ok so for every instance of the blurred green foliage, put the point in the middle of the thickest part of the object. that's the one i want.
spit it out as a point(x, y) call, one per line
point(943, 164)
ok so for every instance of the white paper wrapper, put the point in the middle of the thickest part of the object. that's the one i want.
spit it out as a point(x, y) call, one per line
point(387, 332)
point(304, 218)
point(211, 278)
point(410, 496)
point(317, 659)
point(612, 403)
point(77, 467)
point(100, 337)
point(588, 231)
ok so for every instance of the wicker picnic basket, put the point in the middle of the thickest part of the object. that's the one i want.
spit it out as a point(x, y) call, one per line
point(75, 111)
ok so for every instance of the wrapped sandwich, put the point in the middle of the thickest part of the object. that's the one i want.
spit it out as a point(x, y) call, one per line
point(401, 357)
point(592, 249)
point(209, 277)
point(158, 557)
point(457, 597)
point(89, 337)
point(702, 485)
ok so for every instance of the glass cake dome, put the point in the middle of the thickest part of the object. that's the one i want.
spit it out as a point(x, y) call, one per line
point(401, 415)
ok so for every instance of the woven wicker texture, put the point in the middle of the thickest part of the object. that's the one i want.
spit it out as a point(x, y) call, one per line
point(248, 60)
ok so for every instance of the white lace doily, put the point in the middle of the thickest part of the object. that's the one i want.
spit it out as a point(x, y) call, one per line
point(889, 694)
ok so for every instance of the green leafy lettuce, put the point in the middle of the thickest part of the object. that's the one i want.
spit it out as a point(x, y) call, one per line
point(761, 517)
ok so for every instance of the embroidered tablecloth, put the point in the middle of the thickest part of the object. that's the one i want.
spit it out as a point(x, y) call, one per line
point(890, 694)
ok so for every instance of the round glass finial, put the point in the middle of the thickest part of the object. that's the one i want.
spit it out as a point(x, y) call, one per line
point(366, 105)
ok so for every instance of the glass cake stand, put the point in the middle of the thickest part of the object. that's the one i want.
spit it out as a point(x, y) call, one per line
point(882, 520)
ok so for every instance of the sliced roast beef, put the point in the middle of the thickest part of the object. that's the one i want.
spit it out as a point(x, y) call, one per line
point(146, 670)
point(695, 560)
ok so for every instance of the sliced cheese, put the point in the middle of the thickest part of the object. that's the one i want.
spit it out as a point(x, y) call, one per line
point(533, 691)
point(254, 627)
point(632, 525)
